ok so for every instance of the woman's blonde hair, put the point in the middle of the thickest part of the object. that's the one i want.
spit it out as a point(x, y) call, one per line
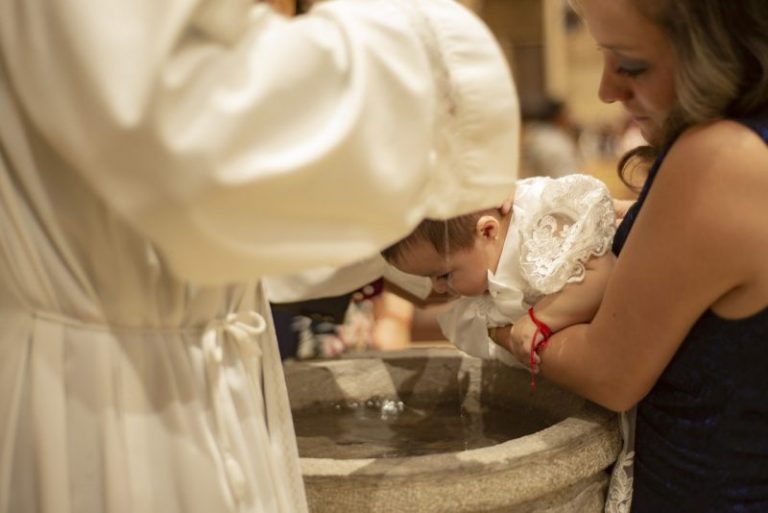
point(722, 53)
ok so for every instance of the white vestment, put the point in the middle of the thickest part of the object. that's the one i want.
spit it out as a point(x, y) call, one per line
point(156, 159)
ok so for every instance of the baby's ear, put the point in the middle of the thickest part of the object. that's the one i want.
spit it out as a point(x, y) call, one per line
point(488, 227)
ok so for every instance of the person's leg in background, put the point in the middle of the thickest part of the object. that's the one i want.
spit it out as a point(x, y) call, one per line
point(392, 316)
point(307, 329)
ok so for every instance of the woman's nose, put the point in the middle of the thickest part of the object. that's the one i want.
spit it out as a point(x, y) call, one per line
point(612, 87)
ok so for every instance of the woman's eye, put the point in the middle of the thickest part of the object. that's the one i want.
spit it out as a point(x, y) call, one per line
point(631, 71)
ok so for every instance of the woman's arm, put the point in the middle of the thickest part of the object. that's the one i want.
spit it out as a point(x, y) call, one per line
point(575, 303)
point(699, 243)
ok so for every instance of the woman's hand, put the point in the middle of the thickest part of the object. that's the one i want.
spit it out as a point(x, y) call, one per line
point(517, 338)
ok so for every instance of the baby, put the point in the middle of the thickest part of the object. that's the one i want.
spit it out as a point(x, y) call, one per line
point(542, 267)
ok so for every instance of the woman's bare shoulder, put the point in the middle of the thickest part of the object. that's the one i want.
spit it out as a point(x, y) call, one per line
point(714, 181)
point(723, 164)
point(720, 148)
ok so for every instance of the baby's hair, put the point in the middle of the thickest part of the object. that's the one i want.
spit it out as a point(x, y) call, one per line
point(460, 231)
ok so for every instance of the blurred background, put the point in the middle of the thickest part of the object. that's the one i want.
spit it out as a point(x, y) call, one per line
point(555, 62)
point(566, 129)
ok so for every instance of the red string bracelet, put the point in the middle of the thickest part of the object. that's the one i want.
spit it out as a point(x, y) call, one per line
point(546, 332)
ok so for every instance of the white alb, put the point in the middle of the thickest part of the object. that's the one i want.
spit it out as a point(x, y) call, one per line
point(156, 160)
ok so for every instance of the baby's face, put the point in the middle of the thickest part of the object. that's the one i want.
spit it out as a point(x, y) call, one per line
point(463, 272)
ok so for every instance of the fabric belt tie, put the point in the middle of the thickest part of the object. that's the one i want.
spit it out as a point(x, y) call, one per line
point(242, 331)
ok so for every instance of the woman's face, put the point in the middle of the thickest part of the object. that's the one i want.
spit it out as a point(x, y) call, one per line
point(638, 62)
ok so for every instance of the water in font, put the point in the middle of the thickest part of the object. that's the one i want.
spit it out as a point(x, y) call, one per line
point(388, 428)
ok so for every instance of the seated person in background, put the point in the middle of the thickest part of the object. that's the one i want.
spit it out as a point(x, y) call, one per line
point(541, 267)
point(310, 328)
point(549, 140)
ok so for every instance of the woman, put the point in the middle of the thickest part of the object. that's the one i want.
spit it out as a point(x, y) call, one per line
point(156, 160)
point(683, 329)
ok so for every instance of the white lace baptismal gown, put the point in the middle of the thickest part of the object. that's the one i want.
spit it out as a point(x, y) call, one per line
point(539, 259)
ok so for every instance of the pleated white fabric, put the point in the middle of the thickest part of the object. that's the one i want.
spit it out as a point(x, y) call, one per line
point(165, 419)
point(154, 153)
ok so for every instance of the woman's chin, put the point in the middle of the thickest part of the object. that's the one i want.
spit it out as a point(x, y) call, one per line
point(649, 132)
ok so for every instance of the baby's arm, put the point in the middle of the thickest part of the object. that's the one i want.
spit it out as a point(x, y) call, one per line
point(574, 304)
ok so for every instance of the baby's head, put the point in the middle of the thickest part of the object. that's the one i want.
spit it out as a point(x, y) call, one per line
point(455, 254)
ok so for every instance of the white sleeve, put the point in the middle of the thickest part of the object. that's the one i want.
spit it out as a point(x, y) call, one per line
point(328, 282)
point(573, 220)
point(323, 281)
point(466, 325)
point(419, 286)
point(243, 143)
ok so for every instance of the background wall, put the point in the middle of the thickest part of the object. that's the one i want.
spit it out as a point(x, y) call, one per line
point(552, 56)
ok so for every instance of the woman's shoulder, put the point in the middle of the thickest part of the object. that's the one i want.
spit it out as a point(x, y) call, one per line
point(718, 159)
point(719, 145)
point(710, 191)
point(715, 180)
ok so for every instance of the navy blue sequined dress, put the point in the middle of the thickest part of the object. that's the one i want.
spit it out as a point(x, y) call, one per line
point(702, 432)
